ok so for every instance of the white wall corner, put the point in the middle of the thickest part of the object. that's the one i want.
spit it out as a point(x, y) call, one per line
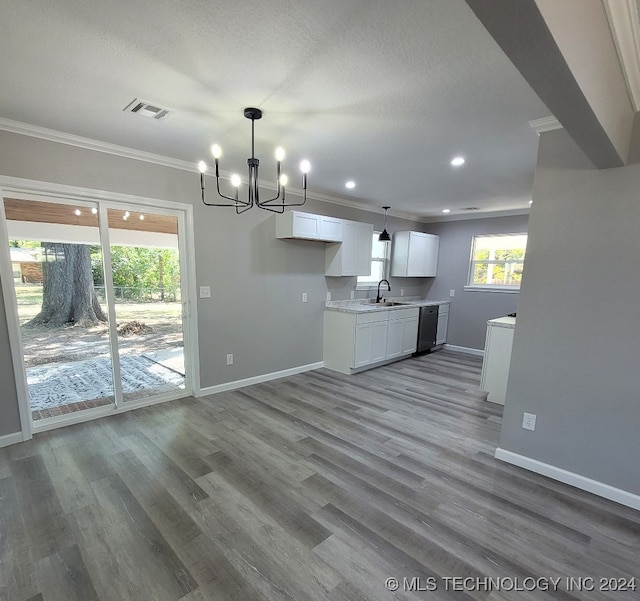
point(624, 22)
point(545, 124)
point(582, 482)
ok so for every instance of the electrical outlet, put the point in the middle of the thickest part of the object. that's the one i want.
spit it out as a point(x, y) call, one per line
point(353, 294)
point(452, 293)
point(401, 291)
point(230, 359)
point(528, 421)
point(328, 296)
point(304, 297)
point(205, 291)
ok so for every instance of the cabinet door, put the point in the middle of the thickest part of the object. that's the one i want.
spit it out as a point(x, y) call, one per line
point(363, 344)
point(305, 225)
point(395, 338)
point(441, 332)
point(330, 228)
point(349, 248)
point(409, 335)
point(422, 260)
point(432, 245)
point(417, 253)
point(378, 341)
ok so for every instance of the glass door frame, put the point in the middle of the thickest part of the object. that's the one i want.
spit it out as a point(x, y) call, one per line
point(29, 190)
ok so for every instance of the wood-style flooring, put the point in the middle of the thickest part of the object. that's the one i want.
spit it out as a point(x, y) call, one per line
point(314, 487)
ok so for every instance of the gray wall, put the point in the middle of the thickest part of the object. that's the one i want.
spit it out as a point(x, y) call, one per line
point(469, 310)
point(255, 311)
point(577, 342)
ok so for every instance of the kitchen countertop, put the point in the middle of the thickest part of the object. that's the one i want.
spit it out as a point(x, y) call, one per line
point(362, 306)
point(503, 322)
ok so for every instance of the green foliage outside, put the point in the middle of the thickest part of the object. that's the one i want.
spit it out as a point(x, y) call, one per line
point(141, 274)
point(499, 268)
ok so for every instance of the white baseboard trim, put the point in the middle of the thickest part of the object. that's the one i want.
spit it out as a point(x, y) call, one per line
point(464, 349)
point(9, 439)
point(257, 379)
point(582, 482)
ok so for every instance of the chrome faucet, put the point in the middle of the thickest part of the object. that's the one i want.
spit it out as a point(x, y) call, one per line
point(379, 298)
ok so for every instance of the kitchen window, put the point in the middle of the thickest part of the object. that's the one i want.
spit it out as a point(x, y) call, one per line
point(379, 263)
point(496, 262)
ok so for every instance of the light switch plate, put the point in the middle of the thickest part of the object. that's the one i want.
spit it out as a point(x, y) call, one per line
point(353, 294)
point(205, 291)
point(452, 293)
point(304, 297)
point(328, 296)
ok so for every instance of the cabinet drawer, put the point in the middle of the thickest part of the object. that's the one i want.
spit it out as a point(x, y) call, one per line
point(396, 314)
point(372, 317)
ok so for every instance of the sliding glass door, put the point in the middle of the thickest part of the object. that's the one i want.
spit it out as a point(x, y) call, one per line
point(99, 303)
point(145, 262)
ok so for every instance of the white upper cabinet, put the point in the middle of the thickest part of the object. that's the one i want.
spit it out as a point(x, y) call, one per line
point(352, 256)
point(414, 254)
point(307, 226)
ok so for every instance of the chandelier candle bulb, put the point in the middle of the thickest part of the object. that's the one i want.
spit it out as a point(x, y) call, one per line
point(280, 154)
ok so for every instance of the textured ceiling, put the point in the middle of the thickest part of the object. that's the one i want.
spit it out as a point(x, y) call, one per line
point(384, 93)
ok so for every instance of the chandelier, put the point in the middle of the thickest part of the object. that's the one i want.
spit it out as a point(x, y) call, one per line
point(275, 204)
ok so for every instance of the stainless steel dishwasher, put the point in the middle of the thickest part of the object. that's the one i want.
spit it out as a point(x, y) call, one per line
point(427, 327)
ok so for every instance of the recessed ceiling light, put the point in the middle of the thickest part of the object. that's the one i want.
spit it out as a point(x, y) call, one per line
point(94, 211)
point(446, 210)
point(78, 212)
point(531, 202)
point(350, 184)
point(457, 161)
point(141, 217)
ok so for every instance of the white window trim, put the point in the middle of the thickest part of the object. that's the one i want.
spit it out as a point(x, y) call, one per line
point(491, 287)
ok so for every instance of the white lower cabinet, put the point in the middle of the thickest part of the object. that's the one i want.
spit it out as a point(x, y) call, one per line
point(497, 358)
point(355, 341)
point(443, 323)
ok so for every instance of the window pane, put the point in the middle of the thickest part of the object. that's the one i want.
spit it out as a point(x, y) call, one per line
point(502, 248)
point(496, 274)
point(379, 249)
point(377, 267)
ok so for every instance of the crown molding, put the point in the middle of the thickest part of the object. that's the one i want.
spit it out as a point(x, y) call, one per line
point(52, 135)
point(545, 124)
point(624, 22)
point(475, 215)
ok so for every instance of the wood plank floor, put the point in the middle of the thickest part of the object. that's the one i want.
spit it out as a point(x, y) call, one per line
point(314, 487)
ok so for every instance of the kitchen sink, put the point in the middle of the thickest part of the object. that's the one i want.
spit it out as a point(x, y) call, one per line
point(387, 304)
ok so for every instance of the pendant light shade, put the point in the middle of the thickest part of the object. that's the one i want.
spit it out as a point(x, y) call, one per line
point(384, 235)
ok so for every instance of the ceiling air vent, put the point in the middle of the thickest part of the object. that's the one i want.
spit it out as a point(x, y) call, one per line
point(146, 109)
point(471, 209)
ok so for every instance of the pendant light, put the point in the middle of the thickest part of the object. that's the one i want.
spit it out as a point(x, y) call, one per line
point(384, 235)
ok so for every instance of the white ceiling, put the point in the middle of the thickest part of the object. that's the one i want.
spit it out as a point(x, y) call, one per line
point(384, 93)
